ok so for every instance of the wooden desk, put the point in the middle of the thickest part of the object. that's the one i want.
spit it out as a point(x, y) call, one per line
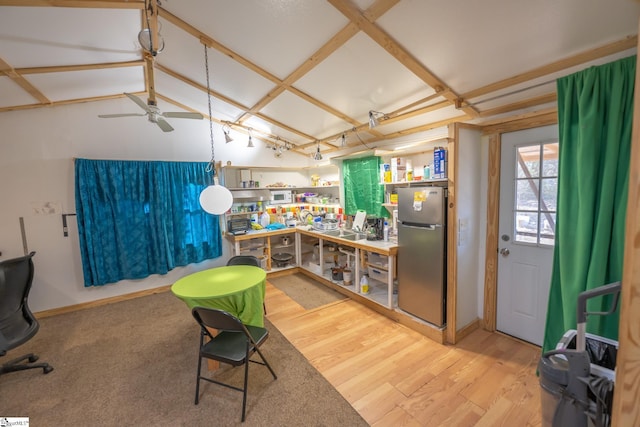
point(237, 289)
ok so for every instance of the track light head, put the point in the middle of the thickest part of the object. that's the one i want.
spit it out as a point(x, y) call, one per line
point(317, 155)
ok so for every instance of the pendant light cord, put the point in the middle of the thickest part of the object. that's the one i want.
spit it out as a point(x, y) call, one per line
point(211, 167)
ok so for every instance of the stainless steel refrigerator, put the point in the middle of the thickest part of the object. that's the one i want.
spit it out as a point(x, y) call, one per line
point(422, 236)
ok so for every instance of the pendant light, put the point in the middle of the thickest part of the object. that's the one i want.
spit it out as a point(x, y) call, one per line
point(317, 156)
point(226, 130)
point(214, 199)
point(250, 144)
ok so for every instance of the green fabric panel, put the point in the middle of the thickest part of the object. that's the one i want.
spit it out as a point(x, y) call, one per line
point(595, 114)
point(362, 188)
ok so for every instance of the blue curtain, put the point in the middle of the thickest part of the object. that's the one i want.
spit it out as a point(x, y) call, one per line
point(595, 117)
point(138, 218)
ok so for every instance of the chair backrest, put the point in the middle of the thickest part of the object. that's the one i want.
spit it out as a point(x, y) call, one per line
point(244, 260)
point(17, 323)
point(217, 319)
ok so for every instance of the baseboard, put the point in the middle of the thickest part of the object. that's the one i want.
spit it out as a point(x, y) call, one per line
point(467, 330)
point(100, 302)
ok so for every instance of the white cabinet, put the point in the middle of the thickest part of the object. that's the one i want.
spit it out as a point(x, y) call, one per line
point(381, 270)
point(264, 245)
point(320, 255)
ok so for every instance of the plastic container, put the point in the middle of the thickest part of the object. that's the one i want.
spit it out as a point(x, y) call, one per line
point(427, 172)
point(364, 284)
point(385, 231)
point(265, 219)
point(377, 274)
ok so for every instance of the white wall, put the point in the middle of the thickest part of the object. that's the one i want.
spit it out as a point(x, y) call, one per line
point(470, 226)
point(483, 179)
point(37, 184)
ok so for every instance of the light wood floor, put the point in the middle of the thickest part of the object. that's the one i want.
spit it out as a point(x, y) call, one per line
point(394, 376)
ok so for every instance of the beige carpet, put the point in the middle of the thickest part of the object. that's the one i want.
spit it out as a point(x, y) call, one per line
point(305, 291)
point(134, 363)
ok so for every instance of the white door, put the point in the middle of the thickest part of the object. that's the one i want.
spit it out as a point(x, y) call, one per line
point(528, 187)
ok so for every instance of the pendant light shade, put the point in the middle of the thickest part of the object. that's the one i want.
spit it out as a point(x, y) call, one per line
point(216, 199)
point(317, 156)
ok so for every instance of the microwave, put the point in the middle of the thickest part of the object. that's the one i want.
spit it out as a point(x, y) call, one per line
point(280, 197)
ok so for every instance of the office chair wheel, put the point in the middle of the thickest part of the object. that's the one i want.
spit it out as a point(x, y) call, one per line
point(33, 358)
point(47, 369)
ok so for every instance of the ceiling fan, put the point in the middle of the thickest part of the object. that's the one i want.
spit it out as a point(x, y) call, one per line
point(154, 114)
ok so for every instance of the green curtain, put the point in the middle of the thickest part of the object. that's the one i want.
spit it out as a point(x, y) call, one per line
point(362, 188)
point(595, 112)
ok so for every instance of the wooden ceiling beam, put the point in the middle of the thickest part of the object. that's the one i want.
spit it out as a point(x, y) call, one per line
point(82, 67)
point(351, 11)
point(198, 86)
point(92, 4)
point(563, 64)
point(526, 103)
point(345, 34)
point(542, 117)
point(18, 79)
point(58, 103)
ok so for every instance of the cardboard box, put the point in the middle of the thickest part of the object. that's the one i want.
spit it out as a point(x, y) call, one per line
point(439, 163)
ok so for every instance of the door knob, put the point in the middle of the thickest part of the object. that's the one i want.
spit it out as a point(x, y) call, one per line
point(504, 252)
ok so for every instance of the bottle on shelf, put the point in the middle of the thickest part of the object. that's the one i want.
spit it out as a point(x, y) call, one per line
point(385, 231)
point(427, 172)
point(364, 284)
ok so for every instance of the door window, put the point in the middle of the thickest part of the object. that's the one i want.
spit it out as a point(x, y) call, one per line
point(536, 184)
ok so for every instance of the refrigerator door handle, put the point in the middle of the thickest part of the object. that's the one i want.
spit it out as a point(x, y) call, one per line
point(423, 227)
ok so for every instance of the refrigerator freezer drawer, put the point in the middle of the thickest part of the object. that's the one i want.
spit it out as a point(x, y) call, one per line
point(421, 272)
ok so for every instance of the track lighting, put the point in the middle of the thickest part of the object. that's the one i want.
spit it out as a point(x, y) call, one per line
point(250, 144)
point(374, 117)
point(317, 155)
point(226, 129)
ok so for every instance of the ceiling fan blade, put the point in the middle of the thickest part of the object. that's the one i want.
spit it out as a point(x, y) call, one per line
point(163, 124)
point(180, 115)
point(138, 101)
point(108, 116)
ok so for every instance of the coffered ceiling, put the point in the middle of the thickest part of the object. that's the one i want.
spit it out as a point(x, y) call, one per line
point(299, 73)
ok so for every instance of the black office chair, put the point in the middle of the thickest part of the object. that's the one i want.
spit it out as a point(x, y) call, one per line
point(17, 324)
point(247, 260)
point(234, 344)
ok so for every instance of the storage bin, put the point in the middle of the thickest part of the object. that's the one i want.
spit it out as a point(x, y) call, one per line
point(379, 260)
point(377, 274)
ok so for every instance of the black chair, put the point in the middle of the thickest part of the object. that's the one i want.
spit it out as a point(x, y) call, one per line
point(17, 324)
point(234, 344)
point(246, 260)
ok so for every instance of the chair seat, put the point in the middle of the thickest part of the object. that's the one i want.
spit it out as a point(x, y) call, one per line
point(229, 346)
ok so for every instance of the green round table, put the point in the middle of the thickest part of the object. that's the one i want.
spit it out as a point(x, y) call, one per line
point(237, 289)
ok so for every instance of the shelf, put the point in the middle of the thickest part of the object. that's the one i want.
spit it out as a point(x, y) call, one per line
point(428, 181)
point(242, 213)
point(282, 246)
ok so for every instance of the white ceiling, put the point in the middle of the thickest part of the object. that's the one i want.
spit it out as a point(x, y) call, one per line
point(389, 56)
